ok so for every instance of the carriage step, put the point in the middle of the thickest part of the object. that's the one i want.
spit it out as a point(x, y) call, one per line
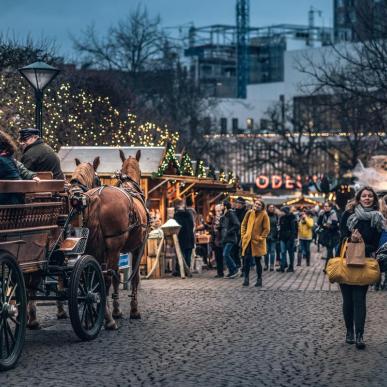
point(76, 241)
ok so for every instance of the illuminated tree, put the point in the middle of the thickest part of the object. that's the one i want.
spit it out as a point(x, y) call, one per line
point(76, 117)
point(186, 165)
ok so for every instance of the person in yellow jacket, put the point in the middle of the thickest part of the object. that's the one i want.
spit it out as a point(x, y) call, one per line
point(254, 230)
point(305, 234)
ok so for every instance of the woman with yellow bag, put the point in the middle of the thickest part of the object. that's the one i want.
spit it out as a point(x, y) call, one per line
point(361, 222)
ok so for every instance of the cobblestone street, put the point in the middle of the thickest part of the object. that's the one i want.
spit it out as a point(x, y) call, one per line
point(213, 332)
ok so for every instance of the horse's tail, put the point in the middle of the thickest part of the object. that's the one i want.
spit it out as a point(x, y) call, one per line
point(96, 242)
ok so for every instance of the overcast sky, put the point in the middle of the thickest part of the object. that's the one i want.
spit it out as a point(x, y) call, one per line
point(56, 19)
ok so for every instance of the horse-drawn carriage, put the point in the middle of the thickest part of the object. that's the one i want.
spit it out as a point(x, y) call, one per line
point(42, 257)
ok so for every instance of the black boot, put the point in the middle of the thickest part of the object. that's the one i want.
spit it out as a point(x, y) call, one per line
point(258, 284)
point(350, 338)
point(359, 341)
point(290, 269)
point(246, 272)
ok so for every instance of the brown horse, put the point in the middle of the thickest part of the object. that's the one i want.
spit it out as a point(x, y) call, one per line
point(118, 222)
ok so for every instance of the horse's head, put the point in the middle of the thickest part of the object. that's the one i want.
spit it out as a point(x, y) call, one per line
point(85, 177)
point(131, 167)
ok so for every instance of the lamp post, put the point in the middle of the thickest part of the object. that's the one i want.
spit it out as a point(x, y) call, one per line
point(39, 75)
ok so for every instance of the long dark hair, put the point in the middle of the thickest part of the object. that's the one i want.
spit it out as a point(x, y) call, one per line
point(375, 206)
point(7, 144)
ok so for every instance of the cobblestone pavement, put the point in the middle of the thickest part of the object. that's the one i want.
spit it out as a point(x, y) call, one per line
point(212, 332)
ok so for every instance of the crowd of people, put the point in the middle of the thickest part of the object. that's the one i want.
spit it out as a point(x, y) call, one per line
point(245, 235)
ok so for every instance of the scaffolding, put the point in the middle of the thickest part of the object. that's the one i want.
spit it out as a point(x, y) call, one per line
point(226, 58)
point(243, 17)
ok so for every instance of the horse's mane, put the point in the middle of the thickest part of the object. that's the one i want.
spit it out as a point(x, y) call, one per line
point(84, 173)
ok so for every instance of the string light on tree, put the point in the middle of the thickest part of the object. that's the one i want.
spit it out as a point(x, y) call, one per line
point(186, 165)
point(201, 169)
point(222, 176)
point(170, 162)
point(76, 118)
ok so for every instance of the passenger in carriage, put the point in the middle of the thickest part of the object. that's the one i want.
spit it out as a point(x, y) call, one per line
point(37, 155)
point(8, 168)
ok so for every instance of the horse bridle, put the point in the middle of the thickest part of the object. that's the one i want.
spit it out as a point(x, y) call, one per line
point(125, 178)
point(84, 187)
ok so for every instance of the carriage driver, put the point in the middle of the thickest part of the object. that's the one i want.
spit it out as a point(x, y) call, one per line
point(37, 155)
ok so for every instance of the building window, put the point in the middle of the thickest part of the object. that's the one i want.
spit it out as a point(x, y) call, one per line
point(235, 125)
point(250, 124)
point(223, 125)
point(207, 125)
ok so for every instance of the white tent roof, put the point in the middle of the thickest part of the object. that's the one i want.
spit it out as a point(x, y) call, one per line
point(151, 157)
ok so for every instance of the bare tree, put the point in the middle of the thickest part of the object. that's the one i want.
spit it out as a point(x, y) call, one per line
point(290, 144)
point(355, 77)
point(131, 45)
point(15, 52)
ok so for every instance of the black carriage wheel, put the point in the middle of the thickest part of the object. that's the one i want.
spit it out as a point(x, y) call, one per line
point(13, 311)
point(87, 298)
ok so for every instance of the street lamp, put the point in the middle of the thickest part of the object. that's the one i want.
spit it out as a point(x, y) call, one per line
point(39, 75)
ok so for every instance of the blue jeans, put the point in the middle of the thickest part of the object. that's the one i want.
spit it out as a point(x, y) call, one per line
point(227, 251)
point(305, 248)
point(287, 247)
point(270, 256)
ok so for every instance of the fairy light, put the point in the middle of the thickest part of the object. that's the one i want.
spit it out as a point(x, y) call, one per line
point(201, 169)
point(169, 161)
point(77, 118)
point(186, 165)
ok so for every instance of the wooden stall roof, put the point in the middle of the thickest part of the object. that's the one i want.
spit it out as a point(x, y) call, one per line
point(31, 186)
point(150, 161)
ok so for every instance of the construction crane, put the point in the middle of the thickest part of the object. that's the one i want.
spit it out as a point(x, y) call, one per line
point(243, 24)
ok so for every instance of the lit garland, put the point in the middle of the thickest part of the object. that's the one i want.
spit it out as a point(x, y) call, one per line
point(169, 161)
point(201, 169)
point(222, 176)
point(186, 165)
point(231, 179)
point(76, 118)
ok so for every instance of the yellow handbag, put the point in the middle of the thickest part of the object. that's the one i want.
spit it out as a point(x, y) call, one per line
point(338, 271)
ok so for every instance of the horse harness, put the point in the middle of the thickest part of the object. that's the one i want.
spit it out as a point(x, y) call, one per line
point(131, 192)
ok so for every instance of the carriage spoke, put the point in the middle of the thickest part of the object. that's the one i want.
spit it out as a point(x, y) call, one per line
point(94, 310)
point(12, 293)
point(83, 312)
point(95, 288)
point(90, 313)
point(92, 281)
point(11, 335)
point(6, 338)
point(14, 321)
point(9, 279)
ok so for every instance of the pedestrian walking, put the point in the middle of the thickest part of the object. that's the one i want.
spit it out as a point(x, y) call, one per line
point(37, 155)
point(186, 234)
point(254, 230)
point(216, 241)
point(287, 235)
point(240, 211)
point(329, 233)
point(305, 235)
point(229, 225)
point(272, 238)
point(361, 222)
